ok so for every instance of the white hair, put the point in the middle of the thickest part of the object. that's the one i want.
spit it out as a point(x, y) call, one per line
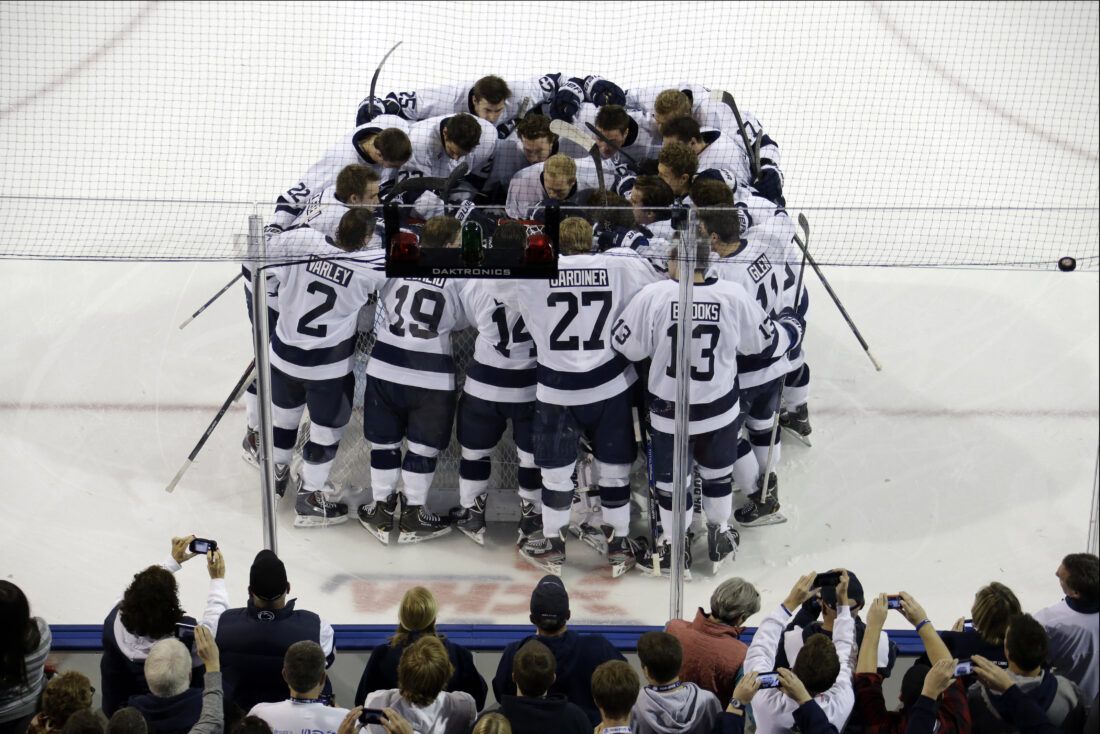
point(168, 668)
point(734, 601)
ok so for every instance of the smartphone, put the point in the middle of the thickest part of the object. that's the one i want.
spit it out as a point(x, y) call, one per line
point(830, 578)
point(184, 631)
point(769, 680)
point(893, 602)
point(371, 716)
point(968, 625)
point(202, 545)
point(965, 667)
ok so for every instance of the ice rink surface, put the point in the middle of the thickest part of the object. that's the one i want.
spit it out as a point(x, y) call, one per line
point(911, 134)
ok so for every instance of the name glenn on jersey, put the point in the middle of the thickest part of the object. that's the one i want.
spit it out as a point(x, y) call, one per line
point(699, 311)
point(760, 267)
point(330, 271)
point(594, 277)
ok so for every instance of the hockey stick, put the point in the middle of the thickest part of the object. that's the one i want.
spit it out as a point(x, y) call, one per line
point(374, 79)
point(727, 99)
point(213, 298)
point(764, 490)
point(839, 305)
point(575, 135)
point(641, 433)
point(237, 389)
point(430, 183)
point(611, 145)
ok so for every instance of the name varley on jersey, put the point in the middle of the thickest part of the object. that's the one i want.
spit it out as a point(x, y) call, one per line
point(595, 277)
point(699, 312)
point(759, 268)
point(330, 271)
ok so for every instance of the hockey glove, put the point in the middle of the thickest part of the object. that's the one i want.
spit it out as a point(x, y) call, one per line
point(567, 100)
point(794, 324)
point(601, 92)
point(469, 212)
point(272, 230)
point(770, 184)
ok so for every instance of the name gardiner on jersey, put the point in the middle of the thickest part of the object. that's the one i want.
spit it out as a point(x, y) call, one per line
point(699, 311)
point(330, 271)
point(760, 267)
point(592, 277)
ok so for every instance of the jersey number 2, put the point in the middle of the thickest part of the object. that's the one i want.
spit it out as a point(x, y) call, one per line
point(304, 326)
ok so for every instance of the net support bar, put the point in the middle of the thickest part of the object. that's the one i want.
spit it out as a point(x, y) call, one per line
point(1094, 515)
point(681, 460)
point(257, 252)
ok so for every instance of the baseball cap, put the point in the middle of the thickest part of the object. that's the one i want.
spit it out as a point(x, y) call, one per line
point(549, 601)
point(267, 578)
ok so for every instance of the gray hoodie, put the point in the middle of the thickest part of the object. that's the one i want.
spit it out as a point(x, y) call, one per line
point(450, 713)
point(686, 708)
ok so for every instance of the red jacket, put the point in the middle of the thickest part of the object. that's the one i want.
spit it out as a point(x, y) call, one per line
point(712, 653)
point(952, 712)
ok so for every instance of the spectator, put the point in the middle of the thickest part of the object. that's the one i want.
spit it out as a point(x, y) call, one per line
point(533, 710)
point(24, 644)
point(668, 704)
point(713, 652)
point(994, 605)
point(808, 716)
point(253, 639)
point(576, 656)
point(127, 720)
point(85, 721)
point(944, 700)
point(306, 709)
point(416, 619)
point(392, 722)
point(1026, 650)
point(172, 706)
point(147, 612)
point(422, 673)
point(64, 695)
point(824, 666)
point(1073, 624)
point(805, 624)
point(615, 688)
point(493, 722)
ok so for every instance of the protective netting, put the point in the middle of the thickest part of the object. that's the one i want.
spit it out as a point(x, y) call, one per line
point(149, 131)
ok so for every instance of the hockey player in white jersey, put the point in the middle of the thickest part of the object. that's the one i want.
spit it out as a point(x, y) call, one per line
point(583, 385)
point(323, 282)
point(530, 143)
point(383, 144)
point(356, 186)
point(499, 388)
point(725, 323)
point(559, 178)
point(652, 199)
point(713, 148)
point(440, 144)
point(490, 98)
point(761, 260)
point(621, 127)
point(410, 395)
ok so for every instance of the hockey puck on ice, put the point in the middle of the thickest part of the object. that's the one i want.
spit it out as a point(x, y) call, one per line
point(1066, 264)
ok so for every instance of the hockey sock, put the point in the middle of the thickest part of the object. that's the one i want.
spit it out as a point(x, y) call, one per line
point(664, 501)
point(557, 496)
point(529, 478)
point(796, 389)
point(318, 454)
point(284, 432)
point(618, 518)
point(385, 468)
point(418, 469)
point(252, 408)
point(746, 469)
point(760, 441)
point(553, 520)
point(473, 475)
point(718, 510)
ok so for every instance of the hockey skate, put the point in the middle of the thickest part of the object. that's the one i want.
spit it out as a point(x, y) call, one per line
point(282, 480)
point(721, 544)
point(314, 510)
point(797, 423)
point(251, 447)
point(659, 562)
point(545, 553)
point(757, 513)
point(530, 521)
point(471, 520)
point(621, 551)
point(419, 523)
point(377, 517)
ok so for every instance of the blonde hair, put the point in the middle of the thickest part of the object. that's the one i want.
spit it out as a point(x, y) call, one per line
point(439, 232)
point(416, 615)
point(493, 723)
point(423, 671)
point(560, 164)
point(672, 103)
point(994, 606)
point(575, 236)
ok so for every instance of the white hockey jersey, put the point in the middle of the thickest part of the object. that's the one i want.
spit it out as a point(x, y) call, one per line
point(725, 322)
point(323, 173)
point(766, 266)
point(503, 367)
point(413, 332)
point(639, 143)
point(447, 100)
point(323, 213)
point(429, 157)
point(526, 189)
point(570, 319)
point(321, 289)
point(753, 209)
point(726, 152)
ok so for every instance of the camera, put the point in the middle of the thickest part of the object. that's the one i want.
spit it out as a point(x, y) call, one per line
point(965, 667)
point(769, 679)
point(830, 578)
point(202, 545)
point(371, 716)
point(893, 602)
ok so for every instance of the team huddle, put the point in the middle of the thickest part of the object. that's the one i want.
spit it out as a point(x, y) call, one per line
point(582, 365)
